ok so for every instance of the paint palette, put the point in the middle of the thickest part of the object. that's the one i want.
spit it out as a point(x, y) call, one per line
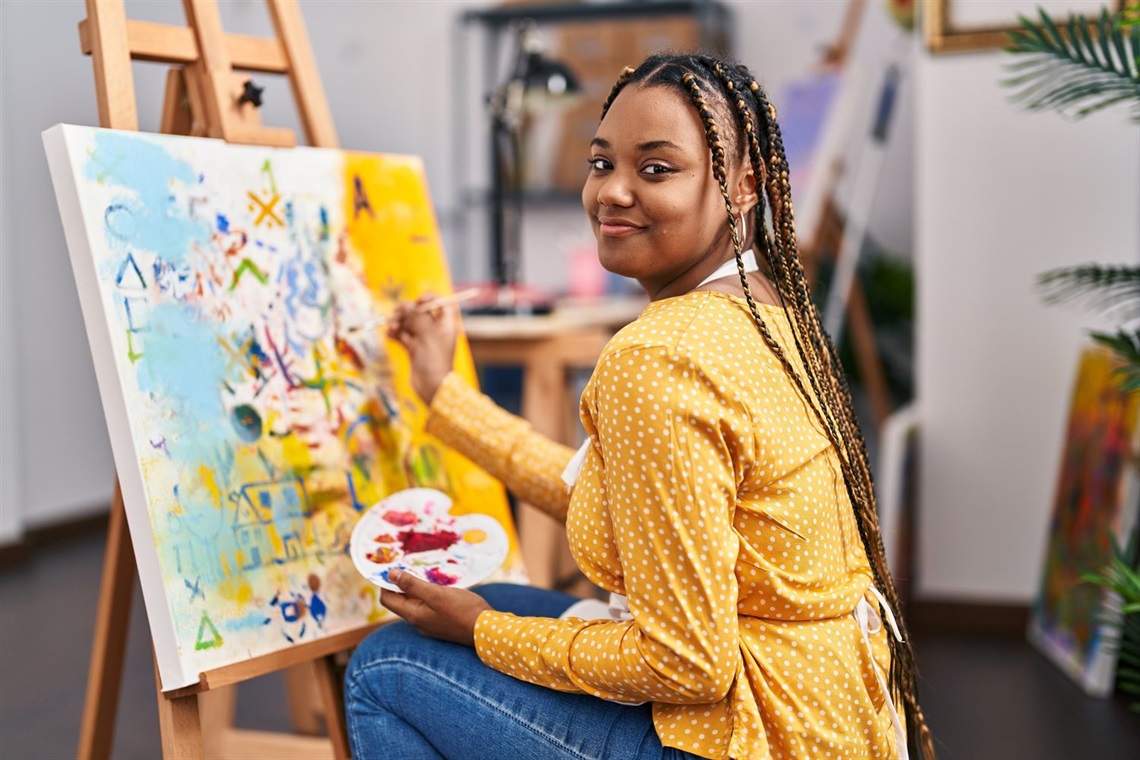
point(413, 530)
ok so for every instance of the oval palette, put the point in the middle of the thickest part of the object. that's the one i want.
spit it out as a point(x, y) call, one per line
point(413, 530)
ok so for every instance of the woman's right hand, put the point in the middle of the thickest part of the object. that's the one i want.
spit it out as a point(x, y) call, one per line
point(429, 335)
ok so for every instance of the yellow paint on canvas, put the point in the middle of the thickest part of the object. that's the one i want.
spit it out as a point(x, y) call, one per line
point(392, 228)
point(236, 590)
point(206, 475)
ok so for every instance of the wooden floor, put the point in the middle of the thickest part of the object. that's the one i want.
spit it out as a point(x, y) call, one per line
point(985, 698)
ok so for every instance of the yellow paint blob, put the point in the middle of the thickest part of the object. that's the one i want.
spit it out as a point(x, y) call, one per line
point(474, 536)
point(244, 594)
point(207, 477)
point(236, 590)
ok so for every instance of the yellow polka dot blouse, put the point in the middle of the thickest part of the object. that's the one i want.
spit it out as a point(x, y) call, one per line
point(710, 498)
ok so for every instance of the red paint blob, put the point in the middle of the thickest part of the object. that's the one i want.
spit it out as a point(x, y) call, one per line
point(437, 576)
point(412, 542)
point(402, 519)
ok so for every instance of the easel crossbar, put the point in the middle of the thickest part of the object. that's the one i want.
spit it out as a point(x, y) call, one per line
point(271, 663)
point(163, 43)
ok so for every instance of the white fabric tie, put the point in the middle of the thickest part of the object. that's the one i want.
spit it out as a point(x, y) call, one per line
point(570, 474)
point(870, 622)
point(729, 267)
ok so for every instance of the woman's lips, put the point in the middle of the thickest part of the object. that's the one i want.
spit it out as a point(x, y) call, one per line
point(618, 229)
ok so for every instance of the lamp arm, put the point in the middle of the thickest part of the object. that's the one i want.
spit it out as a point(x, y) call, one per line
point(498, 200)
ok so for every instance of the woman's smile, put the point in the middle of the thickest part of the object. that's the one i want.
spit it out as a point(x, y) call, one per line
point(618, 227)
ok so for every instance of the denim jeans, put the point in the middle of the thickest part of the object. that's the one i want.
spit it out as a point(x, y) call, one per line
point(409, 697)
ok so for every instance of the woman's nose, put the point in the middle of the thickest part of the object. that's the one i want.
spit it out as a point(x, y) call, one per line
point(615, 190)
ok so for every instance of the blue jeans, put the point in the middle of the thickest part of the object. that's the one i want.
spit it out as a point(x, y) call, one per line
point(409, 697)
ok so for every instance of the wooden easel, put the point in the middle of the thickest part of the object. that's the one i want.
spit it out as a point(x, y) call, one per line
point(202, 98)
point(827, 236)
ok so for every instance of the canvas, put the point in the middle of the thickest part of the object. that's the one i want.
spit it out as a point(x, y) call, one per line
point(817, 118)
point(1097, 498)
point(250, 428)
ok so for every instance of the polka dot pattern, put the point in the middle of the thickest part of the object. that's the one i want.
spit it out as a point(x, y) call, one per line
point(712, 500)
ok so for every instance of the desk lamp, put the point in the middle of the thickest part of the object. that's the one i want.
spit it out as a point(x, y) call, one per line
point(535, 82)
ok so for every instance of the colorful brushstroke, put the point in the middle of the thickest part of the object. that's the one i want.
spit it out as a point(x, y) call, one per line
point(227, 275)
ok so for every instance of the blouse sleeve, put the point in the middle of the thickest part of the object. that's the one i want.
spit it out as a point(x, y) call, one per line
point(669, 482)
point(529, 464)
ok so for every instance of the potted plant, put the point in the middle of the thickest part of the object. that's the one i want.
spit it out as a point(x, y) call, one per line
point(1077, 69)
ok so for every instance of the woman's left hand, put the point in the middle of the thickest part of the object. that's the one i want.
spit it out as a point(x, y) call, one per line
point(436, 611)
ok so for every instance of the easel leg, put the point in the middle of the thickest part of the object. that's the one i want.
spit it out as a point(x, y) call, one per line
point(305, 706)
point(110, 641)
point(328, 678)
point(179, 725)
point(862, 332)
point(216, 710)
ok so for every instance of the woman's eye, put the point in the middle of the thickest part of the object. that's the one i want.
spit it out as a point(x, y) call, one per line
point(598, 164)
point(656, 170)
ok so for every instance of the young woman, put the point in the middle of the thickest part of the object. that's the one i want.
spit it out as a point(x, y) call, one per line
point(723, 496)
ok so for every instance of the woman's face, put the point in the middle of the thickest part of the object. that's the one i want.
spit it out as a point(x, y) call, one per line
point(657, 211)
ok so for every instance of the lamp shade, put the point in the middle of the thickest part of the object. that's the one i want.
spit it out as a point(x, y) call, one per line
point(548, 79)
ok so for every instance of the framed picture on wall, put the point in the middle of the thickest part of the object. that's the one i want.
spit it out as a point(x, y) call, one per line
point(953, 26)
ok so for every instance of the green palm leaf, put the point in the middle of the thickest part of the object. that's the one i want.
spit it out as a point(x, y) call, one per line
point(1087, 67)
point(1108, 287)
point(1122, 576)
point(1113, 290)
point(1127, 347)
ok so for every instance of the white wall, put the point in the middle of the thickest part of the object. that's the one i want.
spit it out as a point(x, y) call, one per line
point(10, 519)
point(1002, 195)
point(55, 427)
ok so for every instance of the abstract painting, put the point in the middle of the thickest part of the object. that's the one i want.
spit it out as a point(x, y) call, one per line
point(250, 426)
point(1097, 499)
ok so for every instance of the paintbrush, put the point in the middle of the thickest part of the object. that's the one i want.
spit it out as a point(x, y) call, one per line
point(435, 303)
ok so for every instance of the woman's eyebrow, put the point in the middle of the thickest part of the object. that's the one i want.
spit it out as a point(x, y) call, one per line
point(651, 145)
point(655, 144)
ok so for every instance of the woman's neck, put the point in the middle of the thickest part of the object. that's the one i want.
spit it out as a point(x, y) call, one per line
point(691, 278)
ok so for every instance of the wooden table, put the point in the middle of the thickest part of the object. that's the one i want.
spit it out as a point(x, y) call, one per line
point(547, 348)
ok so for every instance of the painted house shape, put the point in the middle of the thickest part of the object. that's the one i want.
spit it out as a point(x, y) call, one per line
point(265, 507)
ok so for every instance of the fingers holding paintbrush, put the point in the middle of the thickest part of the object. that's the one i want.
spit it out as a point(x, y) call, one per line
point(428, 330)
point(425, 303)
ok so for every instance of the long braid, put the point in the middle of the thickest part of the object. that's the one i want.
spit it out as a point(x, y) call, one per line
point(903, 671)
point(775, 251)
point(721, 174)
point(781, 246)
point(830, 399)
point(786, 244)
point(769, 247)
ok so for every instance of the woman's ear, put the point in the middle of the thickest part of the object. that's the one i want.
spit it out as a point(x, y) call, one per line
point(744, 189)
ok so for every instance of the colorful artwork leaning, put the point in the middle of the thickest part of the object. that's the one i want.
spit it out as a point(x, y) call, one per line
point(250, 427)
point(1098, 498)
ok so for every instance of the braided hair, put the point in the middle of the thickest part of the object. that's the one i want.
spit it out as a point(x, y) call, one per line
point(740, 123)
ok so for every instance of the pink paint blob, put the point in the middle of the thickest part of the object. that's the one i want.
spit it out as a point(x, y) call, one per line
point(403, 519)
point(438, 577)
